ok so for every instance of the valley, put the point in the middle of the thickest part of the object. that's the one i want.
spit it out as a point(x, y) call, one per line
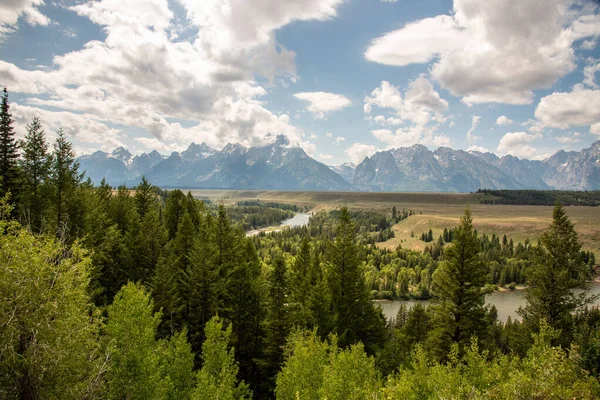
point(434, 211)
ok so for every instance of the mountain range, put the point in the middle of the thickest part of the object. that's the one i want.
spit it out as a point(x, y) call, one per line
point(279, 166)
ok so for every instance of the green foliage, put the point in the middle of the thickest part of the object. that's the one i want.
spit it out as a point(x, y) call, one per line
point(35, 166)
point(142, 367)
point(557, 270)
point(356, 318)
point(9, 150)
point(49, 344)
point(65, 178)
point(218, 377)
point(459, 310)
point(319, 370)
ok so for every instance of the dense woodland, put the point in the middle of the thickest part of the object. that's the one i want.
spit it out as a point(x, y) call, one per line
point(541, 197)
point(149, 294)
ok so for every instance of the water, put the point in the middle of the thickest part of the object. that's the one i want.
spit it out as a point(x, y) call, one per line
point(507, 303)
point(300, 219)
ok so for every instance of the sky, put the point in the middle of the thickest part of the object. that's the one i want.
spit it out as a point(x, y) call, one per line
point(341, 78)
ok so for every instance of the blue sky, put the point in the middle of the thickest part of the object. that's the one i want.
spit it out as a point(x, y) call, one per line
point(341, 78)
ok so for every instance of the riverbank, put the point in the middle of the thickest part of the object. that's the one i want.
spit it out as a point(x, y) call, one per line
point(300, 219)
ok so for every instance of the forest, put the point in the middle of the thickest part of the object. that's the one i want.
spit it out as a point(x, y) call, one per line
point(140, 293)
point(541, 197)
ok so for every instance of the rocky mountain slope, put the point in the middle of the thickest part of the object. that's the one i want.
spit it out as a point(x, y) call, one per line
point(280, 166)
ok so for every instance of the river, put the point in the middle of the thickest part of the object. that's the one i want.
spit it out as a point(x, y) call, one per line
point(507, 303)
point(300, 219)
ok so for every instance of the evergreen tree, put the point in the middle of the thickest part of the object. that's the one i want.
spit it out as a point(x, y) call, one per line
point(175, 207)
point(204, 286)
point(65, 179)
point(9, 150)
point(172, 285)
point(356, 318)
point(36, 167)
point(557, 270)
point(459, 309)
point(318, 302)
point(277, 321)
point(245, 308)
point(145, 197)
point(300, 286)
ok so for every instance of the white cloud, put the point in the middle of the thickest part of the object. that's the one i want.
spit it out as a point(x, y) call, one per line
point(595, 129)
point(11, 10)
point(478, 148)
point(85, 128)
point(340, 140)
point(504, 120)
point(325, 157)
point(474, 124)
point(419, 104)
point(475, 50)
point(571, 138)
point(322, 103)
point(589, 44)
point(358, 151)
point(517, 144)
point(589, 73)
point(408, 136)
point(329, 135)
point(141, 76)
point(565, 109)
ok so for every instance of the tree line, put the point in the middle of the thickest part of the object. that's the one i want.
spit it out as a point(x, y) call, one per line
point(541, 197)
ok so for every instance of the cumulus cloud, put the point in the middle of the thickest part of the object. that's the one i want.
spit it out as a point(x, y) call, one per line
point(339, 140)
point(474, 124)
point(323, 103)
point(358, 151)
point(419, 104)
point(517, 144)
point(142, 76)
point(475, 50)
point(12, 10)
point(504, 120)
point(326, 157)
point(565, 109)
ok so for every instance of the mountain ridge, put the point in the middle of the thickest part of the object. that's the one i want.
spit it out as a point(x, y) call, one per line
point(280, 166)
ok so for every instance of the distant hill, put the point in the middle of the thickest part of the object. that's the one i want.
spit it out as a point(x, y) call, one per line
point(280, 166)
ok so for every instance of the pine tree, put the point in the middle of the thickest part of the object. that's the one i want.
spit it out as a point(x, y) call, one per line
point(356, 318)
point(9, 150)
point(204, 287)
point(65, 179)
point(459, 310)
point(277, 321)
point(300, 285)
point(175, 207)
point(557, 270)
point(145, 197)
point(36, 167)
point(172, 285)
